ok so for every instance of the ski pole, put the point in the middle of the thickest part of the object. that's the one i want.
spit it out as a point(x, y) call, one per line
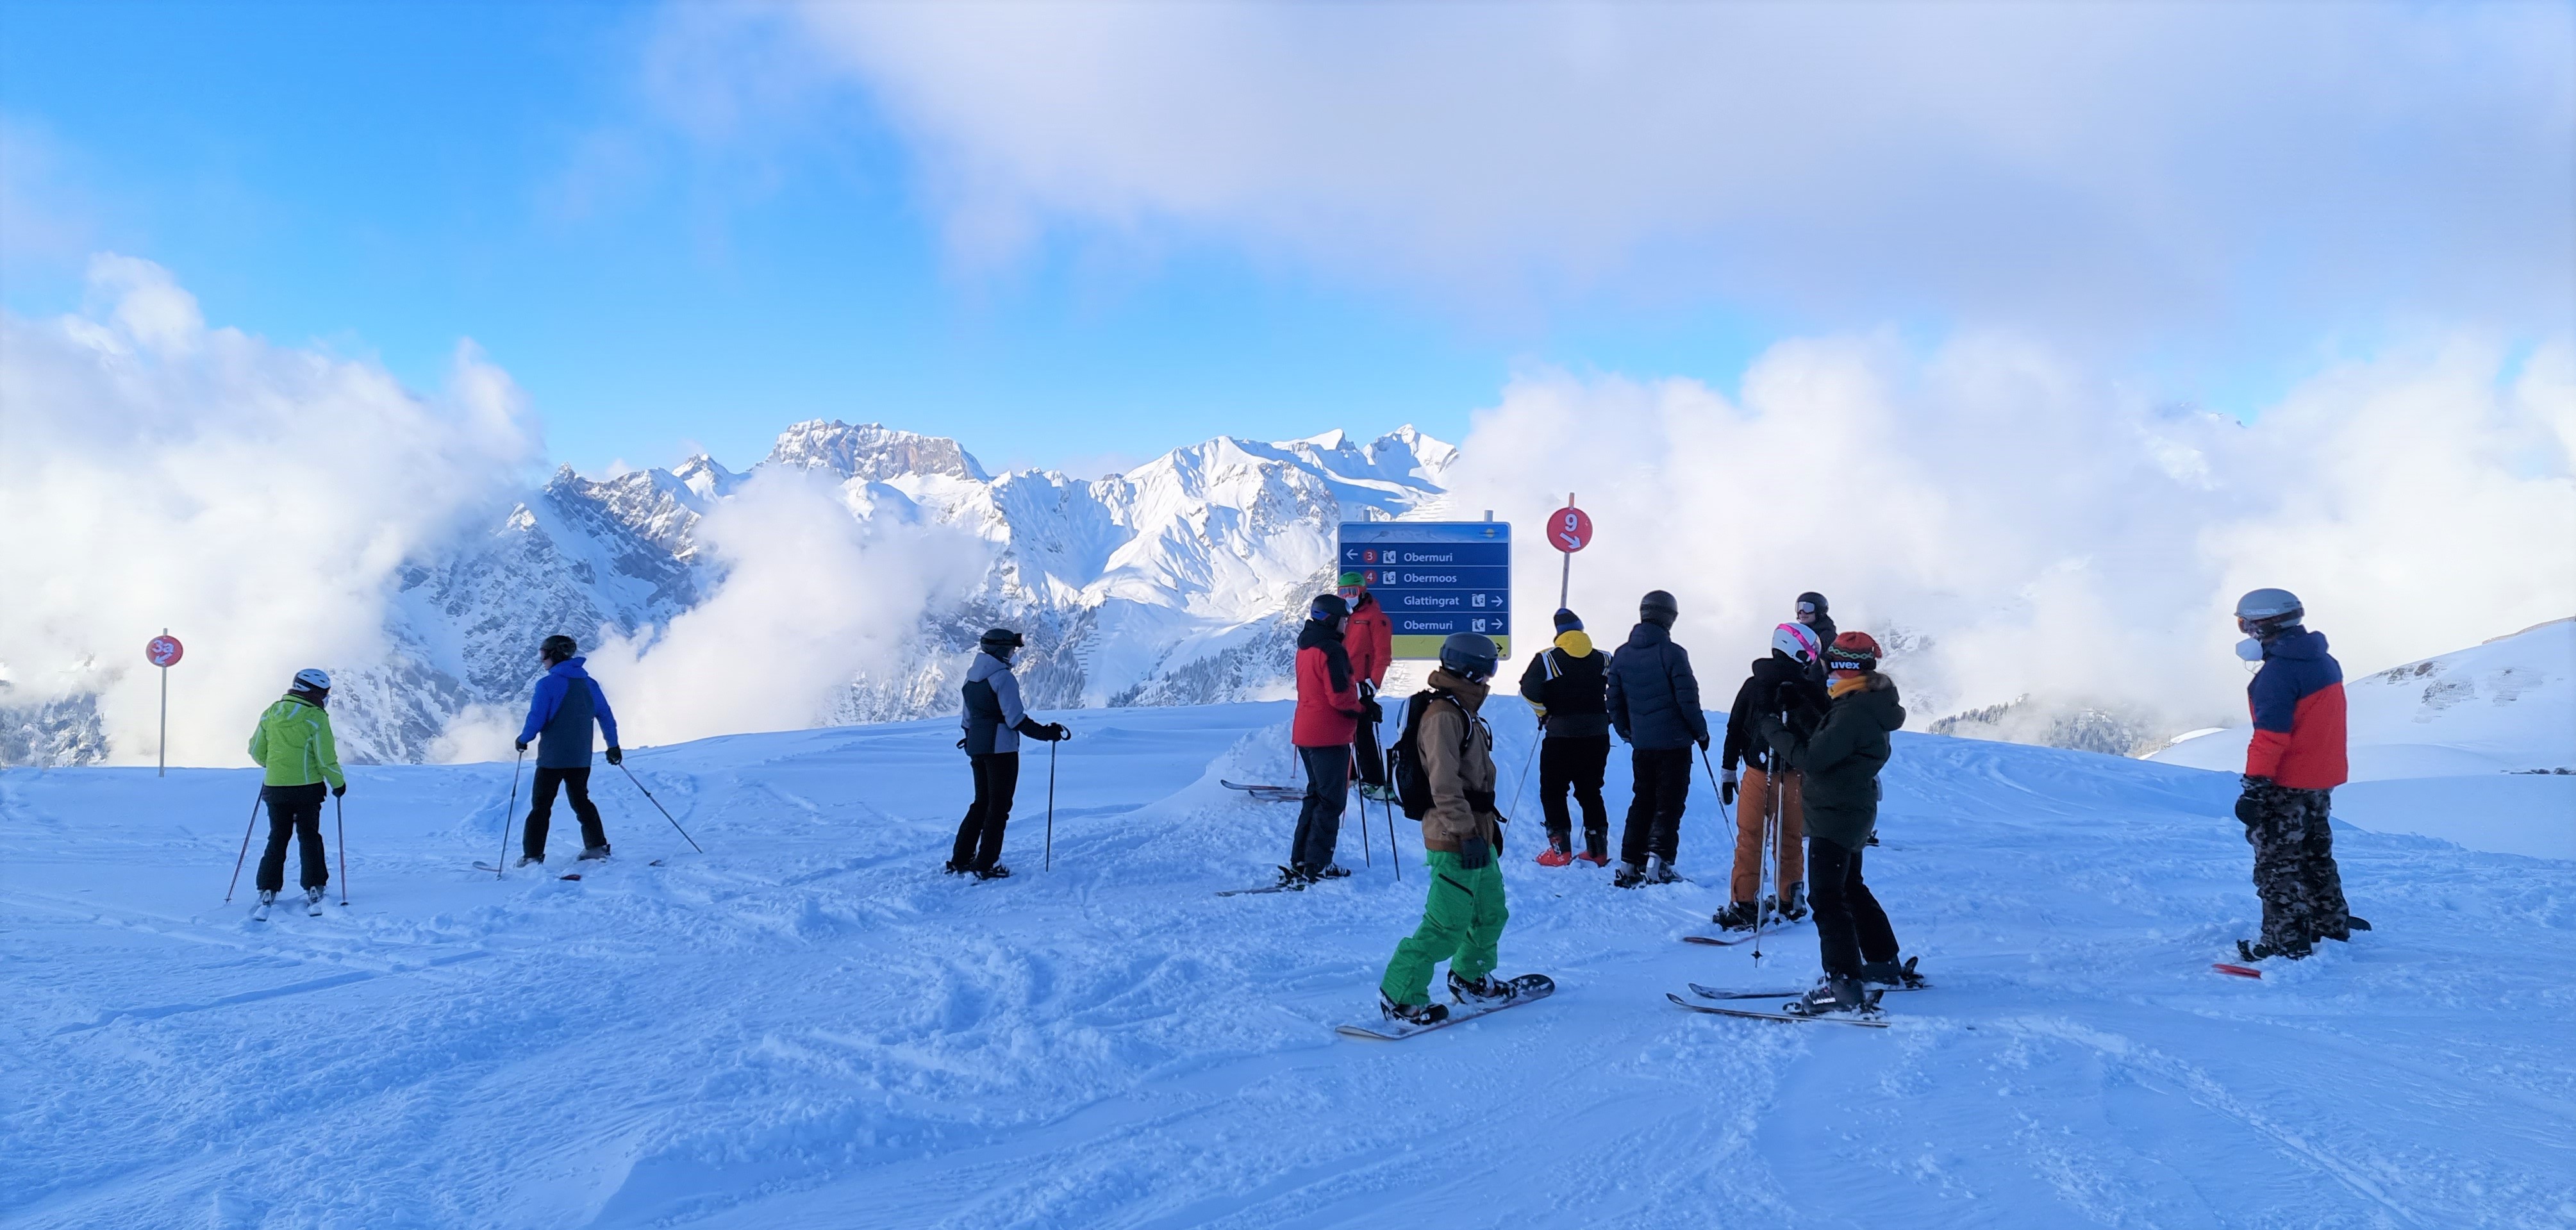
point(1390, 842)
point(666, 812)
point(238, 859)
point(340, 821)
point(1523, 783)
point(506, 813)
point(1050, 830)
point(1366, 859)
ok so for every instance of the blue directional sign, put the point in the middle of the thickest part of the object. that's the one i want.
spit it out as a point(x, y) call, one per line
point(1435, 578)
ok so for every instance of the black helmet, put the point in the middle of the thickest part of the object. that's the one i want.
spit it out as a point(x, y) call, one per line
point(1470, 655)
point(1658, 608)
point(557, 648)
point(1328, 607)
point(1000, 641)
point(1813, 603)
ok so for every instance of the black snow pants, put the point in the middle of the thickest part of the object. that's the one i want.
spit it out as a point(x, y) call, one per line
point(1850, 928)
point(1319, 822)
point(1576, 763)
point(979, 835)
point(1663, 780)
point(293, 811)
point(541, 810)
point(2294, 867)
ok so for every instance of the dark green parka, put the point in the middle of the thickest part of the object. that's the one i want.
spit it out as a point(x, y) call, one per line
point(1841, 760)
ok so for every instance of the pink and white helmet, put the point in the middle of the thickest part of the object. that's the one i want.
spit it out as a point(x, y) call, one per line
point(1797, 641)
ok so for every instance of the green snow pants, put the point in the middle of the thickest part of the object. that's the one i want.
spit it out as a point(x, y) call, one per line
point(1462, 923)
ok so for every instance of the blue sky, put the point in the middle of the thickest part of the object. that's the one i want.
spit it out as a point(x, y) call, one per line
point(693, 226)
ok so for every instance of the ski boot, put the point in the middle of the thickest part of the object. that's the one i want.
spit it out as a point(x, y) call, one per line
point(1411, 1014)
point(954, 868)
point(1891, 974)
point(2351, 923)
point(313, 901)
point(1333, 871)
point(593, 853)
point(2256, 950)
point(1659, 872)
point(1629, 875)
point(1737, 916)
point(1835, 994)
point(1295, 878)
point(1795, 907)
point(994, 872)
point(1559, 851)
point(1481, 992)
point(1596, 847)
point(526, 859)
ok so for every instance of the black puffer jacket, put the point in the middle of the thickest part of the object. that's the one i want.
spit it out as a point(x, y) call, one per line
point(1654, 698)
point(1841, 761)
point(1775, 680)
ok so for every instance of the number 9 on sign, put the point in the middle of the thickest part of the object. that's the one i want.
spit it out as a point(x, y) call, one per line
point(1569, 529)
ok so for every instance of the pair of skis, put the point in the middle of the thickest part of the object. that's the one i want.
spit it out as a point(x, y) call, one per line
point(573, 875)
point(312, 909)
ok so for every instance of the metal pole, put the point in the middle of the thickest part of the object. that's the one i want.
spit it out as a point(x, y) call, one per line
point(1565, 578)
point(693, 842)
point(1770, 823)
point(1367, 857)
point(164, 753)
point(513, 809)
point(245, 850)
point(340, 819)
point(1050, 830)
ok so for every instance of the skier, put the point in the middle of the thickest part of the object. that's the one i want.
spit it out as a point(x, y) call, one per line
point(993, 722)
point(1328, 719)
point(1654, 703)
point(1568, 684)
point(1463, 912)
point(1817, 615)
point(1783, 682)
point(1840, 763)
point(297, 755)
point(567, 700)
point(2292, 766)
point(1369, 639)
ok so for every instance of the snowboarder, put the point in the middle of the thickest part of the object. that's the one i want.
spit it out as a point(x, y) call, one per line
point(1840, 763)
point(1654, 704)
point(1463, 911)
point(993, 722)
point(566, 702)
point(297, 756)
point(1328, 719)
point(1568, 684)
point(1783, 682)
point(2292, 766)
point(1369, 639)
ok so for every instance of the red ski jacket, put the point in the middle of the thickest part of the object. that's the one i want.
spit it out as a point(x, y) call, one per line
point(2297, 699)
point(1328, 694)
point(1369, 638)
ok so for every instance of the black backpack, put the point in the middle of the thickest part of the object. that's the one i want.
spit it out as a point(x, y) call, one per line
point(1404, 759)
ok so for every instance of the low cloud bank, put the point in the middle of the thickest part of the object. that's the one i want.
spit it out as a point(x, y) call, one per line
point(2042, 530)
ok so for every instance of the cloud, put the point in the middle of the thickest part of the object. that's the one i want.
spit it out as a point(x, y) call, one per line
point(255, 499)
point(2048, 531)
point(2100, 170)
point(813, 598)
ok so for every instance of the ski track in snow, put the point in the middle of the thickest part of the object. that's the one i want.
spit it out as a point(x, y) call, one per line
point(810, 1025)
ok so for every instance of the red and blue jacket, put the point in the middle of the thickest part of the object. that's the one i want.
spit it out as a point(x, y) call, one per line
point(2297, 700)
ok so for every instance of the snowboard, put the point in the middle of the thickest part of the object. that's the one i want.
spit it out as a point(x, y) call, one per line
point(1865, 1022)
point(1533, 987)
point(2238, 970)
point(1268, 794)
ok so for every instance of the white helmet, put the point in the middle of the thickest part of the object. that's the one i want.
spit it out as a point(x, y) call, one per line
point(2269, 605)
point(1798, 641)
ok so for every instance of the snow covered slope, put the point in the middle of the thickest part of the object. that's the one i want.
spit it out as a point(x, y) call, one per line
point(809, 1026)
point(2446, 727)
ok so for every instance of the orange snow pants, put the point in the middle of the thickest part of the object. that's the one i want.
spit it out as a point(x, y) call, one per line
point(1752, 805)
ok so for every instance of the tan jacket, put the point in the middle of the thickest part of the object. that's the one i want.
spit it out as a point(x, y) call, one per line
point(1452, 818)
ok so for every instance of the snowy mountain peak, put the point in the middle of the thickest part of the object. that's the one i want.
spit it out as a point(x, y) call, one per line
point(872, 451)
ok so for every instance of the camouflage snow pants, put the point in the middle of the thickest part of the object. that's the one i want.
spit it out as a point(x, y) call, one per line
point(2294, 866)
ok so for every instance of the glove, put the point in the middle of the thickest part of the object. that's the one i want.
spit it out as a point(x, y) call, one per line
point(1726, 788)
point(523, 745)
point(1780, 739)
point(1473, 853)
point(1370, 709)
point(1058, 732)
point(2246, 811)
point(341, 789)
point(1703, 743)
point(616, 755)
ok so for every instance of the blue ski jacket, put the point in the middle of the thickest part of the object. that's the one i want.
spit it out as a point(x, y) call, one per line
point(559, 717)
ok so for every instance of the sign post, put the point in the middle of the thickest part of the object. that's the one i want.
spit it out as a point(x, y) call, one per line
point(1435, 578)
point(164, 651)
point(1569, 530)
